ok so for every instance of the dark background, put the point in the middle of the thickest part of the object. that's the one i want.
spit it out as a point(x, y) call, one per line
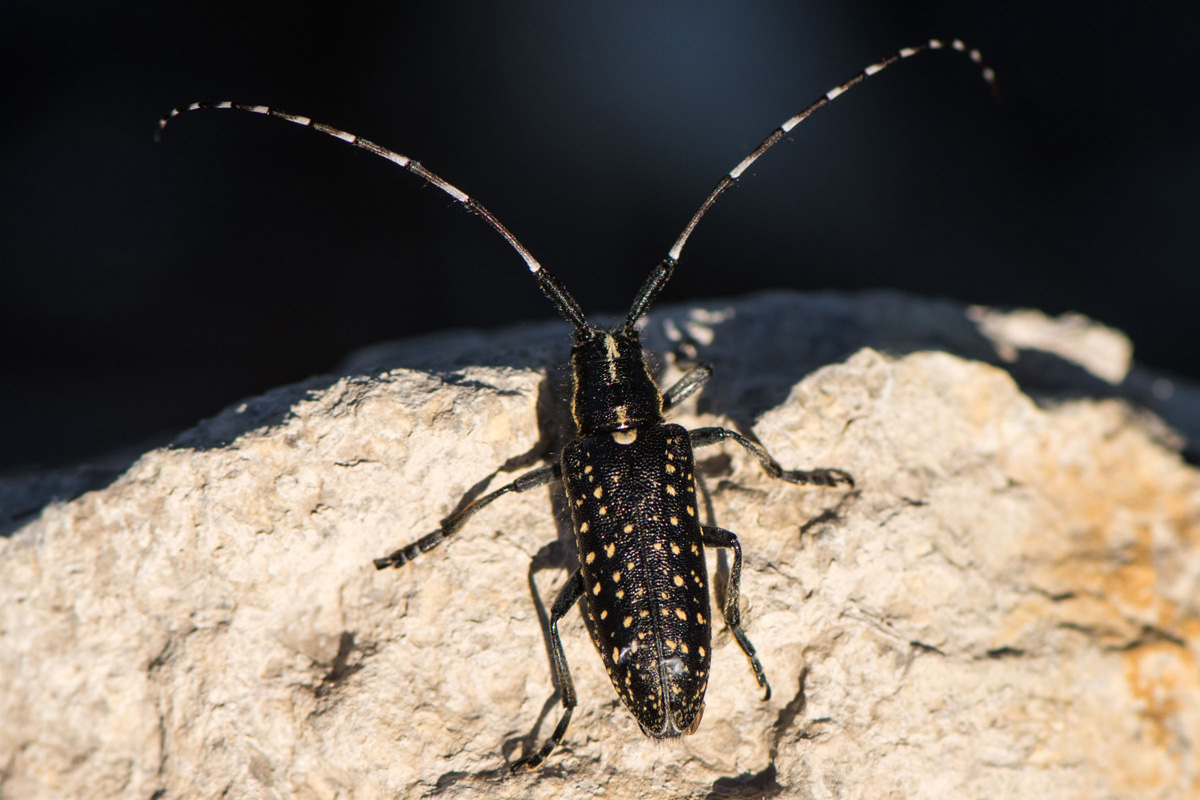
point(145, 286)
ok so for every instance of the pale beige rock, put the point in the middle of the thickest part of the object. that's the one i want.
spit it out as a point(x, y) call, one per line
point(1103, 351)
point(1007, 605)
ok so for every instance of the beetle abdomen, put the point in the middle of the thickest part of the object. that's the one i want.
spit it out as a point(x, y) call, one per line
point(633, 499)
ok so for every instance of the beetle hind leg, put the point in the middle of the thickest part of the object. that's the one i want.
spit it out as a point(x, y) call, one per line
point(719, 537)
point(568, 596)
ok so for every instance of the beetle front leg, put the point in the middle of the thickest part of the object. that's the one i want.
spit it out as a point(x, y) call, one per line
point(822, 476)
point(692, 382)
point(530, 480)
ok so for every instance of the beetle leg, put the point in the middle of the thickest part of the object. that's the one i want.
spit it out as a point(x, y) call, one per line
point(719, 537)
point(822, 476)
point(568, 596)
point(692, 382)
point(530, 480)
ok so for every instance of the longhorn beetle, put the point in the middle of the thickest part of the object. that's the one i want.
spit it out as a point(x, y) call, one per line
point(629, 480)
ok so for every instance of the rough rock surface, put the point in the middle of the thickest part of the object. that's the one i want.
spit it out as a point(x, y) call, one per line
point(1007, 605)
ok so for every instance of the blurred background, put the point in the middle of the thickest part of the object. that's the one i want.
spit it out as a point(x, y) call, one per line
point(143, 286)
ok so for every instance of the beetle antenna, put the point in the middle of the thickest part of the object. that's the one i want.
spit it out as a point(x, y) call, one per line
point(652, 287)
point(551, 286)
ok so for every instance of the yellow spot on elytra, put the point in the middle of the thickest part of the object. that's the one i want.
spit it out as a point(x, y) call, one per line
point(603, 510)
point(700, 619)
point(628, 621)
point(598, 493)
point(604, 614)
point(643, 613)
point(678, 582)
point(674, 521)
point(679, 612)
point(683, 647)
point(583, 528)
point(665, 594)
point(617, 576)
point(629, 529)
point(591, 557)
point(670, 468)
point(596, 588)
point(628, 565)
point(695, 550)
point(691, 511)
point(658, 545)
point(587, 470)
point(674, 547)
point(609, 549)
point(670, 490)
point(702, 655)
point(579, 502)
point(670, 643)
point(620, 594)
point(616, 654)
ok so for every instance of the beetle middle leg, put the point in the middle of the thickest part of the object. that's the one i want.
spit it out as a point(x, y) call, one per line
point(450, 526)
point(719, 537)
point(822, 476)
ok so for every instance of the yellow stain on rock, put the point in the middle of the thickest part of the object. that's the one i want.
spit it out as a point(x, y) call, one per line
point(1112, 503)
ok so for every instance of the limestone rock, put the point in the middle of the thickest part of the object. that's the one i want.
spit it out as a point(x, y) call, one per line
point(1007, 605)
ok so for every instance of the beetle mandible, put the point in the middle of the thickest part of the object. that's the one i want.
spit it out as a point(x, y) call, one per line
point(629, 479)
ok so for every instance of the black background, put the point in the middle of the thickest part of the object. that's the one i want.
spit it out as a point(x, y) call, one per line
point(145, 286)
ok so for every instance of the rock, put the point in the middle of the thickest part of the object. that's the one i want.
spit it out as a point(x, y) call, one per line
point(1007, 604)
